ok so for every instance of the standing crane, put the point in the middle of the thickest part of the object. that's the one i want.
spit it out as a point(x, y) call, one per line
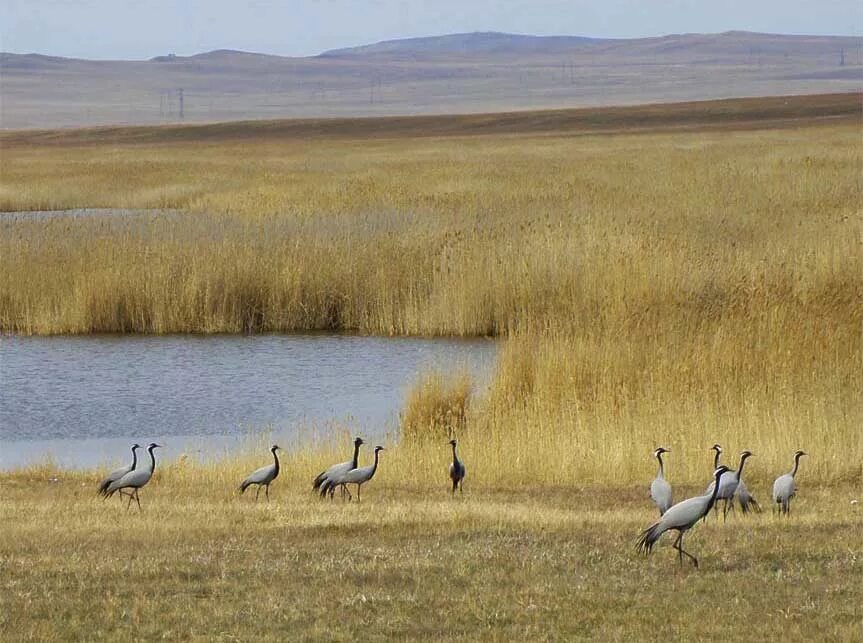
point(728, 485)
point(744, 497)
point(660, 490)
point(681, 518)
point(323, 481)
point(784, 488)
point(263, 476)
point(457, 470)
point(135, 480)
point(358, 476)
point(116, 474)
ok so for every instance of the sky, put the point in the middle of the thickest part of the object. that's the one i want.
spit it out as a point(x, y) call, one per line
point(140, 29)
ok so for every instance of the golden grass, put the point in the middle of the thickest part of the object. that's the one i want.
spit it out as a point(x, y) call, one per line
point(436, 408)
point(534, 563)
point(674, 288)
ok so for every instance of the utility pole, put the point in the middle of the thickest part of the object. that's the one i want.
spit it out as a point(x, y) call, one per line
point(181, 103)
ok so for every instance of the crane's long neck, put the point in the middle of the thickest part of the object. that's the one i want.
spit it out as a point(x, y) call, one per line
point(713, 495)
point(740, 468)
point(276, 458)
point(661, 466)
point(716, 458)
point(152, 459)
point(796, 465)
point(454, 456)
point(375, 465)
point(355, 461)
point(134, 458)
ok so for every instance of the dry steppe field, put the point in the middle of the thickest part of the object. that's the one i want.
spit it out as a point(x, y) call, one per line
point(664, 275)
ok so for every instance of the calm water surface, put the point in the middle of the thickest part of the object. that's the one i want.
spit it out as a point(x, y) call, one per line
point(82, 400)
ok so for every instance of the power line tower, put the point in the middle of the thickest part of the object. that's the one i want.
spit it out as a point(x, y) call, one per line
point(180, 94)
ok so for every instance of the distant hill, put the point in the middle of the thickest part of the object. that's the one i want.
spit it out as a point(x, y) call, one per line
point(464, 73)
point(468, 44)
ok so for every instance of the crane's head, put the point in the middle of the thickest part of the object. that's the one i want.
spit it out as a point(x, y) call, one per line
point(452, 442)
point(719, 471)
point(745, 454)
point(153, 445)
point(136, 446)
point(658, 452)
point(275, 448)
point(798, 454)
point(379, 448)
point(716, 447)
point(358, 442)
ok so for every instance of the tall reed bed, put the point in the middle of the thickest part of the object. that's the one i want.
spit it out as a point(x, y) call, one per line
point(676, 289)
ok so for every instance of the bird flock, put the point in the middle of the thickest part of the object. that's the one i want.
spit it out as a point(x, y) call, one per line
point(726, 485)
point(127, 481)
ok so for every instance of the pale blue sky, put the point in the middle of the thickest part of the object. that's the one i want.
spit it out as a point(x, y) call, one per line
point(145, 28)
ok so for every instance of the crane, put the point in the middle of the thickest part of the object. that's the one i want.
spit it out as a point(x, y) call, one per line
point(135, 480)
point(660, 489)
point(681, 518)
point(263, 476)
point(784, 488)
point(457, 469)
point(116, 474)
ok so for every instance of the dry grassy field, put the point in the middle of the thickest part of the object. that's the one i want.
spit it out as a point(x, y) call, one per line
point(653, 284)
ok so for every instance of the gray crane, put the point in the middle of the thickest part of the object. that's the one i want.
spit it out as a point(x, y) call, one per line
point(681, 518)
point(457, 470)
point(784, 488)
point(358, 476)
point(746, 500)
point(135, 479)
point(728, 484)
point(263, 476)
point(116, 474)
point(323, 480)
point(660, 490)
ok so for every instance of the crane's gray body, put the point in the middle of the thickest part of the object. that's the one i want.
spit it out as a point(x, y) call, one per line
point(785, 488)
point(263, 476)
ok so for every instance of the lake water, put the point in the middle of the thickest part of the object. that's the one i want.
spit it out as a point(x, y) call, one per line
point(82, 401)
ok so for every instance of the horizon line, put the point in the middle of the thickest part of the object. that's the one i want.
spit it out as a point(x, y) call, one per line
point(433, 36)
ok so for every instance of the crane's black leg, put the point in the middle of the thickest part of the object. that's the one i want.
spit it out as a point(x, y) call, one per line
point(138, 500)
point(359, 486)
point(675, 544)
point(268, 492)
point(684, 552)
point(348, 491)
point(129, 504)
point(257, 493)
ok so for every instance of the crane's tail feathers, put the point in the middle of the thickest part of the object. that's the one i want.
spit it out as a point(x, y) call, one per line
point(319, 480)
point(750, 504)
point(325, 486)
point(648, 538)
